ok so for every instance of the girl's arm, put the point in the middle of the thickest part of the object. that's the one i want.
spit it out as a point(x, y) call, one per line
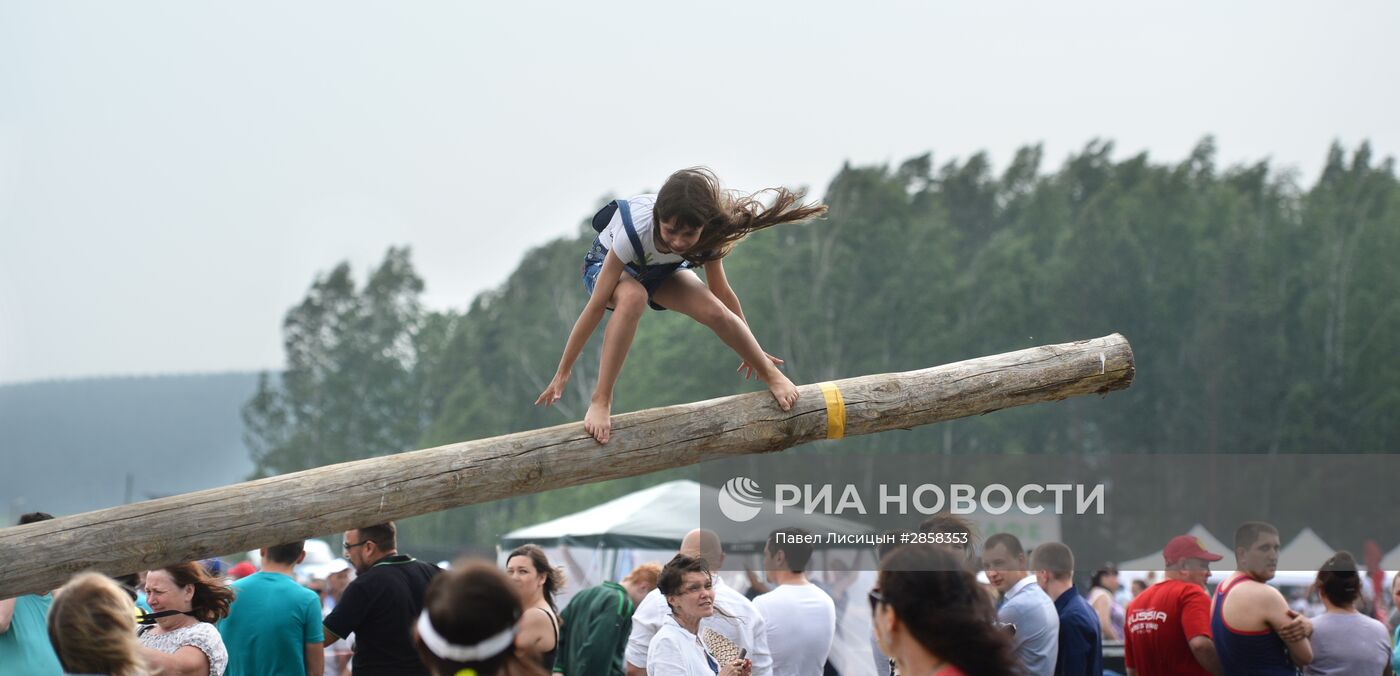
point(583, 328)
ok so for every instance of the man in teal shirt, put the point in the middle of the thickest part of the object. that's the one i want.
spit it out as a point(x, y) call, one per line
point(597, 622)
point(274, 625)
point(24, 633)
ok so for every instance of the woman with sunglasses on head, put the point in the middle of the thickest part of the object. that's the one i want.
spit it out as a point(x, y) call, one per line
point(931, 616)
point(677, 649)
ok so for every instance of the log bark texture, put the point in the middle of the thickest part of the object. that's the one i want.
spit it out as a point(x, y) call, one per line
point(331, 499)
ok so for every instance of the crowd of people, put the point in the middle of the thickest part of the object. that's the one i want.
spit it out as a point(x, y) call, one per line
point(930, 614)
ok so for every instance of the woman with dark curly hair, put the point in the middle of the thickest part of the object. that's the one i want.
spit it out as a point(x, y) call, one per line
point(931, 616)
point(678, 648)
point(179, 636)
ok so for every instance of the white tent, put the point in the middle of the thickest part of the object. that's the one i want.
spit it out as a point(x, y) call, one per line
point(606, 541)
point(1138, 568)
point(657, 518)
point(1391, 561)
point(645, 519)
point(1299, 560)
point(1306, 552)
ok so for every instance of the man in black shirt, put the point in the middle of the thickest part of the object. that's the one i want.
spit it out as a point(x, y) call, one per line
point(382, 604)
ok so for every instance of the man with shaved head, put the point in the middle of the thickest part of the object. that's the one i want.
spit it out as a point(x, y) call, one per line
point(735, 616)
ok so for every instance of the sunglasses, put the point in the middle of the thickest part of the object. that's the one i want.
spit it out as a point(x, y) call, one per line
point(876, 599)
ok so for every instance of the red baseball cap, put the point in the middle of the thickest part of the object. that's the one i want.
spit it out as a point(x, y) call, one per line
point(242, 570)
point(1187, 547)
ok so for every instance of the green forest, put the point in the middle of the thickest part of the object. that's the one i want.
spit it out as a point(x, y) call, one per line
point(1264, 316)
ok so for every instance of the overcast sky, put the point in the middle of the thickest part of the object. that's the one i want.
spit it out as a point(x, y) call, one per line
point(174, 174)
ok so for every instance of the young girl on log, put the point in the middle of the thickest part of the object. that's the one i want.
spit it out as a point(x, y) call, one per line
point(645, 254)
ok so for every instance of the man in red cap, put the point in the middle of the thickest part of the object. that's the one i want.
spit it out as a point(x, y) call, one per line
point(242, 570)
point(1167, 630)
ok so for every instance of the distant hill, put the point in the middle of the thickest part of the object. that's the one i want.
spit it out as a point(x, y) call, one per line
point(68, 446)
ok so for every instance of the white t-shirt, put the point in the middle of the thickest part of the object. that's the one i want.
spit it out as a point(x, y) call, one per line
point(746, 628)
point(614, 237)
point(202, 635)
point(335, 651)
point(801, 621)
point(673, 651)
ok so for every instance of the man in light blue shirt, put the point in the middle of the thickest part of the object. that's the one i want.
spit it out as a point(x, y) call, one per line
point(24, 635)
point(1024, 605)
point(274, 624)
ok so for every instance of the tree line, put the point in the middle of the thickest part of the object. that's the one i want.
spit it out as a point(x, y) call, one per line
point(1264, 316)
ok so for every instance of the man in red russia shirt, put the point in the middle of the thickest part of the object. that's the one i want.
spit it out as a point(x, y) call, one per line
point(1167, 630)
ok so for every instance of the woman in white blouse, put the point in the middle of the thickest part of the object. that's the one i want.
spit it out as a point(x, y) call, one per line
point(185, 603)
point(676, 649)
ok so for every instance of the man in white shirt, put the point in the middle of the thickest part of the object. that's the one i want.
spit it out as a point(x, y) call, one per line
point(801, 618)
point(1024, 605)
point(740, 621)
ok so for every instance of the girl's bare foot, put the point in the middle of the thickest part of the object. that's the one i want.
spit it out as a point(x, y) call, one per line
point(598, 421)
point(782, 389)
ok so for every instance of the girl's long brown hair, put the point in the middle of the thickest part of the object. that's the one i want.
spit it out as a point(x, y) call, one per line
point(694, 199)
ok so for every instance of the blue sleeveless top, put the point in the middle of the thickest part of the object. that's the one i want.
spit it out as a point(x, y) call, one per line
point(1247, 653)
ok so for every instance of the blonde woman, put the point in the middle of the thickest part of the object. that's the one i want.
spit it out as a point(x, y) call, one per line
point(92, 626)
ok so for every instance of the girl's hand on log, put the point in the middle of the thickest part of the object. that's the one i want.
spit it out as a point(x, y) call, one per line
point(749, 371)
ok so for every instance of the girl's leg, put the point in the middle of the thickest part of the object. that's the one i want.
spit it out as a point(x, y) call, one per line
point(686, 294)
point(629, 301)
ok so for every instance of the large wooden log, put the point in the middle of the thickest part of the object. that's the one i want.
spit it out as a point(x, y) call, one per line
point(331, 499)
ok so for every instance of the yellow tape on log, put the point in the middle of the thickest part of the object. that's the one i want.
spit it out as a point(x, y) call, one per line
point(835, 411)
